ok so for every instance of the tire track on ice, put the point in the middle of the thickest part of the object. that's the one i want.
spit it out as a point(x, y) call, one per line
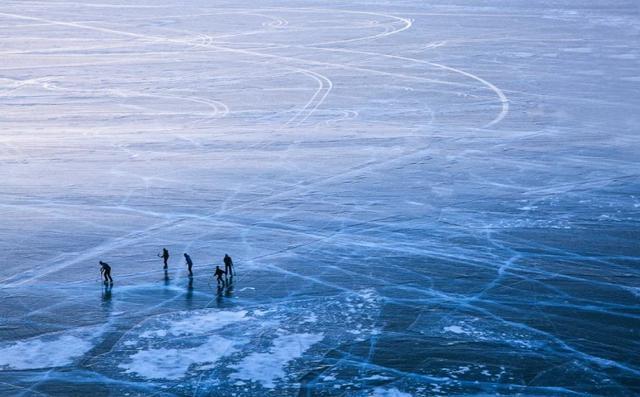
point(155, 39)
point(504, 101)
point(405, 21)
point(321, 79)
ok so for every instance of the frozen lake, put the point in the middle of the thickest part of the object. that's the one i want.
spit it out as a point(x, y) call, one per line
point(421, 197)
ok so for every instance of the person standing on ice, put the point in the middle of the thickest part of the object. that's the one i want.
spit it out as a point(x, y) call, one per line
point(165, 257)
point(218, 274)
point(228, 265)
point(105, 271)
point(187, 259)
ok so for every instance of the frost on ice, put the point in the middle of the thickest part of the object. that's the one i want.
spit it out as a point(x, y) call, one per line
point(268, 367)
point(258, 348)
point(47, 351)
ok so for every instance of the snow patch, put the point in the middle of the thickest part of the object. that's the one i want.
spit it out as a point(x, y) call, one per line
point(204, 322)
point(376, 377)
point(265, 368)
point(380, 392)
point(456, 329)
point(174, 363)
point(43, 351)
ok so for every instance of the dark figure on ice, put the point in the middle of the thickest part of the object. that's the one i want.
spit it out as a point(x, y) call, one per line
point(228, 265)
point(218, 274)
point(165, 257)
point(189, 262)
point(105, 271)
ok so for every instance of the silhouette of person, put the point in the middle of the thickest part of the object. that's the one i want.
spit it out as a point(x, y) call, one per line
point(218, 274)
point(228, 265)
point(105, 271)
point(187, 258)
point(165, 257)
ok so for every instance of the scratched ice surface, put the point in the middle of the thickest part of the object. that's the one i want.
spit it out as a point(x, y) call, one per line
point(422, 198)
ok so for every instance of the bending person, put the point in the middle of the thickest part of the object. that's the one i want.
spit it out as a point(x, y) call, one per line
point(105, 271)
point(218, 274)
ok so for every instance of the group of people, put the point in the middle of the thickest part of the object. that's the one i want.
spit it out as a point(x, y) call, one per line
point(105, 268)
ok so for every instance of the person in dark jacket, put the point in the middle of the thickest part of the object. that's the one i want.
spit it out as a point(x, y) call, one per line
point(187, 259)
point(218, 274)
point(105, 271)
point(228, 265)
point(165, 257)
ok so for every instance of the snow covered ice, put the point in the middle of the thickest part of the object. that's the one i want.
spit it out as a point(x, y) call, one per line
point(421, 197)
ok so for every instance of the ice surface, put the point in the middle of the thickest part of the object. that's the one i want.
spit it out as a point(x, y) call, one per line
point(421, 198)
point(247, 350)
